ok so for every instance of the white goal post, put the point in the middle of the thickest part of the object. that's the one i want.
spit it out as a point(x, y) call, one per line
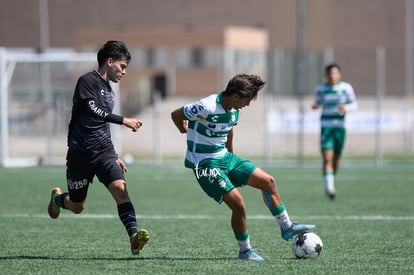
point(35, 103)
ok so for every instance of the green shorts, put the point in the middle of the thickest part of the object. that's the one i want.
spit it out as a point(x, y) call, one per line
point(333, 138)
point(218, 176)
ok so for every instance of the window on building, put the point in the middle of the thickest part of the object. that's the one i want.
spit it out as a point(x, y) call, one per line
point(149, 57)
point(197, 57)
point(182, 57)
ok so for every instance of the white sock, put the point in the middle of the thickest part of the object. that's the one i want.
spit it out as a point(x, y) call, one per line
point(244, 245)
point(329, 180)
point(283, 220)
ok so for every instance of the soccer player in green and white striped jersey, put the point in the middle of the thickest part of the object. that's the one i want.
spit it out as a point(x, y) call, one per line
point(209, 124)
point(336, 97)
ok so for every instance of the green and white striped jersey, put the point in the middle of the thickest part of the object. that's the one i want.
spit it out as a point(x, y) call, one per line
point(208, 127)
point(330, 97)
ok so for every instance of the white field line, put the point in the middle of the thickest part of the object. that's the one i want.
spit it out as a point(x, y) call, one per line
point(211, 217)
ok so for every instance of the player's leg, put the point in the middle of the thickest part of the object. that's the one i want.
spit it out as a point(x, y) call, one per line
point(78, 177)
point(327, 144)
point(216, 184)
point(126, 212)
point(74, 200)
point(110, 173)
point(338, 140)
point(63, 200)
point(271, 196)
point(329, 173)
point(335, 163)
point(53, 208)
point(340, 136)
point(235, 202)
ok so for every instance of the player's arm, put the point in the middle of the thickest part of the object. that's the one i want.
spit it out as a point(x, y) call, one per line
point(89, 101)
point(88, 96)
point(351, 102)
point(351, 106)
point(132, 123)
point(318, 100)
point(348, 107)
point(229, 142)
point(180, 122)
point(123, 165)
point(315, 105)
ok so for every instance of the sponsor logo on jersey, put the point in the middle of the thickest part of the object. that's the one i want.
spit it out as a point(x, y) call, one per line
point(210, 173)
point(97, 110)
point(196, 108)
point(233, 117)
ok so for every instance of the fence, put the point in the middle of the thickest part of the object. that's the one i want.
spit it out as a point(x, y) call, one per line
point(36, 92)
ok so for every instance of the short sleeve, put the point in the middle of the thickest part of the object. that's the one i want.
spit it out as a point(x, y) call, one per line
point(195, 111)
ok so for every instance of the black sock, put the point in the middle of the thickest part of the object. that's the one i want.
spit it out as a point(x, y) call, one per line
point(59, 200)
point(126, 214)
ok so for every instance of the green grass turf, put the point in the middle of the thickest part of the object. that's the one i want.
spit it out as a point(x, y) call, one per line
point(369, 229)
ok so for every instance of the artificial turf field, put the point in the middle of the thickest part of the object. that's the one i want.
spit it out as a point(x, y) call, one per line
point(369, 229)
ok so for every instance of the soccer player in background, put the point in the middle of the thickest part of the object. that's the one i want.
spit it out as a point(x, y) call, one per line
point(90, 149)
point(336, 97)
point(208, 124)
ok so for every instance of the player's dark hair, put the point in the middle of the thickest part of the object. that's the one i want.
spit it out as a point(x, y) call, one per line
point(329, 67)
point(245, 85)
point(116, 50)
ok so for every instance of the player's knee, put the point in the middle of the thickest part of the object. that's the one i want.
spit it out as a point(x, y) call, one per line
point(240, 209)
point(241, 206)
point(78, 208)
point(77, 211)
point(236, 203)
point(117, 187)
point(271, 184)
point(270, 181)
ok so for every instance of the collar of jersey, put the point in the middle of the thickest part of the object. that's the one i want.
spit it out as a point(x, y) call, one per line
point(220, 101)
point(106, 81)
point(339, 82)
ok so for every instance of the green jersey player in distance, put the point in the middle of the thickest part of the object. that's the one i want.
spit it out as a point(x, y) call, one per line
point(208, 124)
point(336, 98)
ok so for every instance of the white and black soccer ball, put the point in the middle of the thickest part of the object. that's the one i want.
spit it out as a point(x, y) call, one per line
point(307, 246)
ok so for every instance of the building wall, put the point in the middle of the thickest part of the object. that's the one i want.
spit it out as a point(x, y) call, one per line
point(174, 50)
point(351, 23)
point(352, 28)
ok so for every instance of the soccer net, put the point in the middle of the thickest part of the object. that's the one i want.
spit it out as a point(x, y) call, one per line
point(36, 98)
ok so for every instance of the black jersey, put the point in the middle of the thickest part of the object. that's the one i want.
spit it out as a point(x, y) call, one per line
point(93, 102)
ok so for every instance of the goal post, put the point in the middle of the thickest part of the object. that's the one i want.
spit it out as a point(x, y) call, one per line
point(35, 103)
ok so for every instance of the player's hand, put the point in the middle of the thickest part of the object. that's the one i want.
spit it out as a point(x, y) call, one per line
point(185, 126)
point(123, 165)
point(342, 108)
point(132, 123)
point(315, 106)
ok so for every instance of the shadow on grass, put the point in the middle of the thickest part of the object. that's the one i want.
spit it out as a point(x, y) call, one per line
point(167, 258)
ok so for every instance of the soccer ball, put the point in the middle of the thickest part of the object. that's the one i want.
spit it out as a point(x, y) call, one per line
point(307, 246)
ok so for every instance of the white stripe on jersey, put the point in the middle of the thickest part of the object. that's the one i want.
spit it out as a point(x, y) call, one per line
point(329, 97)
point(209, 125)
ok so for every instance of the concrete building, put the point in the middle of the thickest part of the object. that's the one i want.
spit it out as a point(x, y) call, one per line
point(176, 61)
point(348, 32)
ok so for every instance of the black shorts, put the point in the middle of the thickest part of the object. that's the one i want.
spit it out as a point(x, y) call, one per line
point(82, 167)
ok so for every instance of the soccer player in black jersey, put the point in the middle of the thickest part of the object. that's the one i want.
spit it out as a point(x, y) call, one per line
point(90, 148)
